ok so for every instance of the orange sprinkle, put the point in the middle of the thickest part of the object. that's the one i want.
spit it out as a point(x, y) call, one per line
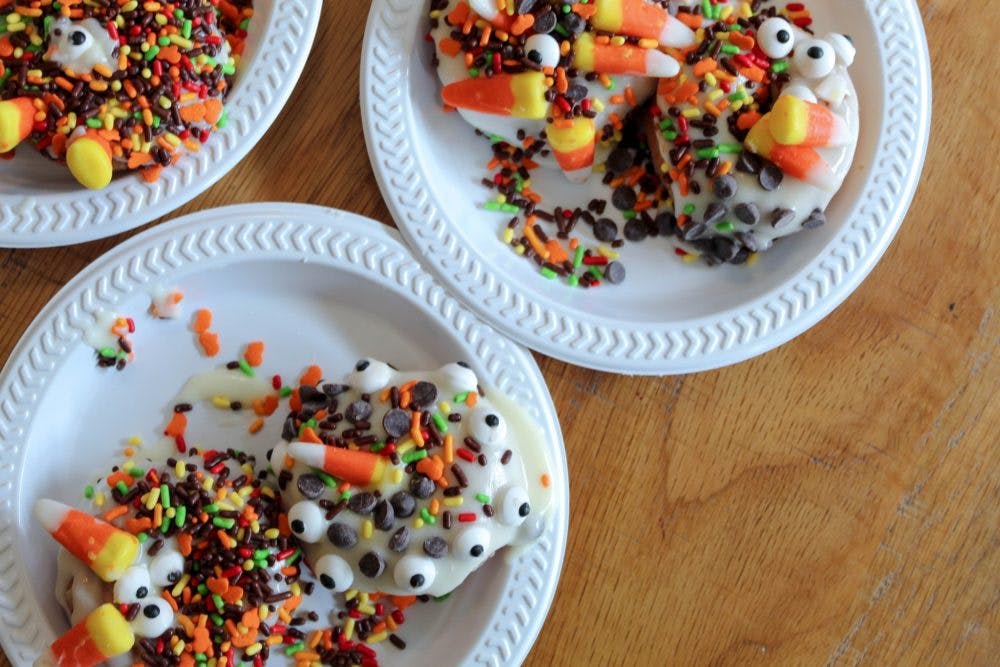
point(557, 254)
point(450, 47)
point(725, 168)
point(202, 320)
point(120, 476)
point(747, 119)
point(309, 435)
point(170, 600)
point(562, 84)
point(521, 24)
point(745, 42)
point(176, 427)
point(684, 161)
point(546, 481)
point(536, 243)
point(617, 99)
point(184, 544)
point(472, 399)
point(136, 526)
point(312, 376)
point(460, 14)
point(254, 353)
point(116, 512)
point(585, 11)
point(435, 505)
point(209, 343)
point(704, 66)
point(630, 96)
point(692, 21)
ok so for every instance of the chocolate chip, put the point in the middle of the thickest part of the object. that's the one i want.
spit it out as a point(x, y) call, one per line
point(634, 230)
point(310, 486)
point(362, 503)
point(714, 212)
point(666, 223)
point(311, 395)
point(782, 217)
point(421, 487)
point(385, 516)
point(623, 198)
point(816, 219)
point(423, 394)
point(695, 231)
point(435, 547)
point(748, 163)
point(396, 423)
point(371, 565)
point(341, 535)
point(403, 504)
point(770, 177)
point(747, 213)
point(358, 411)
point(574, 23)
point(334, 390)
point(576, 93)
point(724, 248)
point(545, 22)
point(749, 240)
point(725, 187)
point(614, 273)
point(605, 230)
point(621, 159)
point(400, 540)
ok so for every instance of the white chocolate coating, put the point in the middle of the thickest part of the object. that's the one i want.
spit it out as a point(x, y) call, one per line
point(79, 46)
point(511, 488)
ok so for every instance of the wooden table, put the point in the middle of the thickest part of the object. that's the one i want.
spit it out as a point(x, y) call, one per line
point(834, 501)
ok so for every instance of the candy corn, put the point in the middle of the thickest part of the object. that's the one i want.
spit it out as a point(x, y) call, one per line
point(795, 122)
point(572, 143)
point(801, 162)
point(521, 95)
point(89, 159)
point(639, 18)
point(103, 634)
point(625, 59)
point(16, 118)
point(488, 10)
point(355, 467)
point(105, 549)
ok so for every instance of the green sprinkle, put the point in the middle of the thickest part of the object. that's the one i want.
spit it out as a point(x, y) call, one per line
point(737, 96)
point(186, 29)
point(442, 598)
point(689, 209)
point(259, 554)
point(595, 272)
point(667, 124)
point(725, 226)
point(223, 120)
point(779, 66)
point(327, 479)
point(573, 281)
point(121, 487)
point(707, 153)
point(311, 423)
point(217, 620)
point(460, 398)
point(377, 447)
point(548, 273)
point(706, 8)
point(202, 588)
point(223, 522)
point(497, 139)
point(245, 367)
point(152, 53)
point(229, 68)
point(439, 421)
point(492, 206)
point(629, 215)
point(413, 455)
point(294, 557)
point(730, 148)
point(474, 72)
point(346, 495)
point(163, 41)
point(165, 525)
point(142, 537)
point(730, 49)
point(561, 30)
point(165, 496)
point(156, 122)
point(211, 508)
point(427, 516)
point(244, 24)
point(181, 516)
point(107, 352)
point(88, 491)
point(578, 257)
point(294, 648)
point(483, 498)
point(285, 392)
point(95, 123)
point(669, 135)
point(566, 9)
point(261, 564)
point(509, 208)
point(122, 355)
point(136, 471)
point(217, 599)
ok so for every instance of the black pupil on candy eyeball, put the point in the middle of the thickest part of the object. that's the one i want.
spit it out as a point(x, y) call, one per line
point(327, 581)
point(815, 52)
point(361, 365)
point(524, 509)
point(78, 38)
point(462, 364)
point(492, 421)
point(534, 56)
point(142, 592)
point(783, 36)
point(476, 551)
point(298, 526)
point(174, 577)
point(417, 580)
point(151, 611)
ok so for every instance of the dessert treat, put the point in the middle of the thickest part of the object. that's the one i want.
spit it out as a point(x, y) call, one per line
point(111, 339)
point(406, 482)
point(189, 560)
point(757, 132)
point(108, 86)
point(563, 75)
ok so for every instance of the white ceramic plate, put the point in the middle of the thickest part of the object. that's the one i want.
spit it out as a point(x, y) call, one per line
point(42, 205)
point(668, 317)
point(319, 286)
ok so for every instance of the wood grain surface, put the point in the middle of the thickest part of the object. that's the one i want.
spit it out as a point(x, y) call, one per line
point(836, 501)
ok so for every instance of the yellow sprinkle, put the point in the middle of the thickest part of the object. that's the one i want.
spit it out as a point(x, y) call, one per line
point(597, 104)
point(444, 407)
point(454, 501)
point(366, 529)
point(519, 249)
point(418, 523)
point(710, 79)
point(752, 259)
point(152, 497)
point(272, 533)
point(397, 476)
point(349, 629)
point(607, 252)
point(237, 500)
point(179, 586)
point(377, 637)
point(647, 43)
point(99, 499)
point(221, 402)
point(691, 113)
point(267, 491)
point(178, 647)
point(350, 594)
point(715, 94)
point(254, 648)
point(296, 589)
point(366, 609)
point(690, 258)
point(135, 440)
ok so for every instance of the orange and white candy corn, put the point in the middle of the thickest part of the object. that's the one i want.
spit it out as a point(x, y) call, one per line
point(104, 548)
point(801, 162)
point(352, 466)
point(591, 56)
point(520, 95)
point(572, 144)
point(639, 18)
point(796, 122)
point(16, 119)
point(103, 634)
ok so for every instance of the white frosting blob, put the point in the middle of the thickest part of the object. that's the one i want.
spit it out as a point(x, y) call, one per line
point(79, 46)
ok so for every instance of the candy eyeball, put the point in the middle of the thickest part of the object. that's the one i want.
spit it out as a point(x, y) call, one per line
point(69, 39)
point(307, 521)
point(369, 375)
point(543, 50)
point(154, 618)
point(334, 573)
point(460, 376)
point(414, 573)
point(472, 544)
point(776, 37)
point(814, 58)
point(133, 586)
point(843, 47)
point(166, 568)
point(514, 506)
point(488, 427)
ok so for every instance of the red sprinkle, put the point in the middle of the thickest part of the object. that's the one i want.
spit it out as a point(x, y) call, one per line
point(466, 454)
point(467, 517)
point(595, 260)
point(181, 444)
point(131, 324)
